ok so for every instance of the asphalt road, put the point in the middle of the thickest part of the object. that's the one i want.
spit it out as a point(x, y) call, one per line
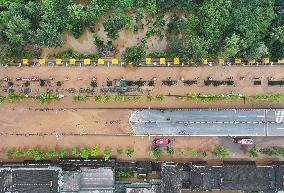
point(201, 122)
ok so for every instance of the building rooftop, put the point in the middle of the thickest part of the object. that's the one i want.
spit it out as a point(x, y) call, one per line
point(200, 178)
point(246, 177)
point(171, 178)
point(29, 180)
point(88, 180)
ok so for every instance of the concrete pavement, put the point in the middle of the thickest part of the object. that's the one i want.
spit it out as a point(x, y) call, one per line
point(202, 122)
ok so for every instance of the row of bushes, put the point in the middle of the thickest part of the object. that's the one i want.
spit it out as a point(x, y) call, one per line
point(269, 151)
point(218, 152)
point(70, 54)
point(84, 152)
point(194, 97)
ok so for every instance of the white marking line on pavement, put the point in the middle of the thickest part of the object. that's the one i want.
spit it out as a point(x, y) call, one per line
point(279, 116)
point(280, 128)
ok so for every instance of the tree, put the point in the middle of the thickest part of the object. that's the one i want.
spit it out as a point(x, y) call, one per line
point(48, 35)
point(117, 21)
point(253, 153)
point(19, 152)
point(197, 48)
point(74, 152)
point(251, 19)
point(107, 154)
point(5, 56)
point(192, 22)
point(152, 7)
point(193, 153)
point(95, 151)
point(129, 152)
point(231, 46)
point(176, 24)
point(160, 97)
point(51, 153)
point(221, 153)
point(76, 19)
point(125, 4)
point(258, 51)
point(38, 155)
point(204, 153)
point(155, 153)
point(171, 151)
point(214, 18)
point(119, 151)
point(18, 30)
point(63, 153)
point(134, 54)
point(84, 153)
point(176, 47)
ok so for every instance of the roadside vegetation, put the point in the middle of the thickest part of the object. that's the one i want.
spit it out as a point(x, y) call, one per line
point(156, 153)
point(195, 29)
point(44, 98)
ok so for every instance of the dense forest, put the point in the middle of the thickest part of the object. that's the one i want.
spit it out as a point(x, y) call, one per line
point(196, 29)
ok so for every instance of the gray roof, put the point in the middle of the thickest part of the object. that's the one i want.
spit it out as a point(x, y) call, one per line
point(171, 178)
point(153, 189)
point(214, 122)
point(30, 180)
point(200, 178)
point(88, 180)
point(279, 174)
point(247, 178)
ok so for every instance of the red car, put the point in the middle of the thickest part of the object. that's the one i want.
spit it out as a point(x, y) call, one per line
point(162, 141)
point(242, 140)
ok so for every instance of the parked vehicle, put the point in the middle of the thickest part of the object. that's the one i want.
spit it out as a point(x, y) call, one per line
point(243, 140)
point(162, 141)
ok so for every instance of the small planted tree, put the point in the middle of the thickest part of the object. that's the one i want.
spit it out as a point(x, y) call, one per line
point(117, 98)
point(107, 154)
point(205, 153)
point(193, 153)
point(253, 153)
point(160, 97)
point(51, 153)
point(119, 151)
point(30, 152)
point(182, 98)
point(171, 151)
point(155, 153)
point(63, 153)
point(150, 98)
point(74, 152)
point(95, 151)
point(97, 98)
point(106, 98)
point(38, 155)
point(9, 152)
point(137, 98)
point(129, 152)
point(84, 153)
point(221, 153)
point(19, 152)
